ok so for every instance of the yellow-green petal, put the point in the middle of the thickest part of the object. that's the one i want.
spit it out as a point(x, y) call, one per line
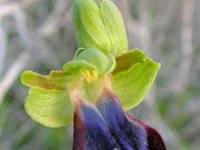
point(127, 60)
point(55, 80)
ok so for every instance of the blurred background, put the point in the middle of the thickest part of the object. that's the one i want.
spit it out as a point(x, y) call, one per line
point(38, 35)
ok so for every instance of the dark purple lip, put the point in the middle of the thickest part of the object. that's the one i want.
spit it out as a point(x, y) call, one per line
point(107, 127)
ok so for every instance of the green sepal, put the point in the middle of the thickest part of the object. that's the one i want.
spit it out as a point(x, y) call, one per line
point(115, 27)
point(104, 63)
point(77, 66)
point(132, 82)
point(50, 108)
point(48, 102)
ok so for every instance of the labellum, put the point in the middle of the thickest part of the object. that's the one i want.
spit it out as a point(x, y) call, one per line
point(107, 127)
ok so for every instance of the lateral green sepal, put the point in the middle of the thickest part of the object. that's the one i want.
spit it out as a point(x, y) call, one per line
point(48, 102)
point(51, 108)
point(132, 82)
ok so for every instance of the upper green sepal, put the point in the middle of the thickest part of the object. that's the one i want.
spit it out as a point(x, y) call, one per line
point(133, 77)
point(104, 63)
point(77, 66)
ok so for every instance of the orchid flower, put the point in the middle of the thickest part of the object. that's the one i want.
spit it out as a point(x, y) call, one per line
point(79, 90)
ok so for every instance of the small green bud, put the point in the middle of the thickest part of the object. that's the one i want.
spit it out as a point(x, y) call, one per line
point(114, 24)
point(99, 26)
point(89, 29)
